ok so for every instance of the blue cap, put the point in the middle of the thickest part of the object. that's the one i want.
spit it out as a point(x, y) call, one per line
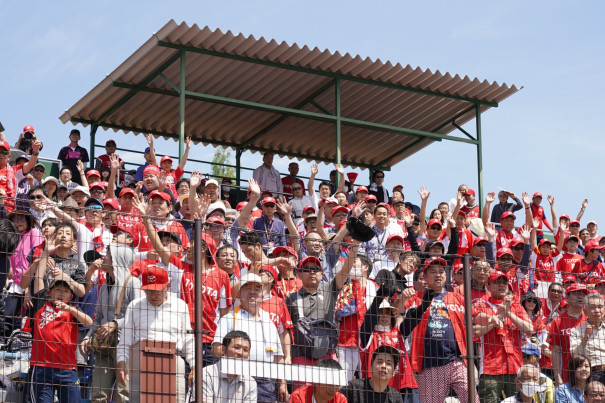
point(147, 150)
point(531, 349)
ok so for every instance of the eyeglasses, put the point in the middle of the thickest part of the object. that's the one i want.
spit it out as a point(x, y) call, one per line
point(340, 215)
point(97, 191)
point(371, 201)
point(35, 197)
point(379, 177)
point(310, 269)
point(435, 227)
point(574, 226)
point(269, 205)
point(297, 188)
point(482, 269)
point(506, 259)
point(518, 248)
point(229, 219)
point(4, 152)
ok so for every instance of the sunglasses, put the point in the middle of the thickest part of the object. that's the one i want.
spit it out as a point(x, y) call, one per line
point(556, 291)
point(4, 152)
point(517, 248)
point(230, 219)
point(35, 197)
point(435, 227)
point(574, 226)
point(39, 170)
point(19, 219)
point(269, 205)
point(310, 269)
point(340, 215)
point(95, 207)
point(371, 201)
point(299, 188)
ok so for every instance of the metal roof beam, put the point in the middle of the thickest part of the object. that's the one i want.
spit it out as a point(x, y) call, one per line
point(230, 145)
point(136, 88)
point(323, 73)
point(301, 114)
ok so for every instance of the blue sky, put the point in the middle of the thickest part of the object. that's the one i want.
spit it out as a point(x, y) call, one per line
point(545, 138)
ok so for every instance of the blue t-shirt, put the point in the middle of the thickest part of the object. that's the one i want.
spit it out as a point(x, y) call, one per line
point(440, 345)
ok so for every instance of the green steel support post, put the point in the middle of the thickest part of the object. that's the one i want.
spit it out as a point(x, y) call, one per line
point(338, 128)
point(93, 133)
point(182, 107)
point(479, 157)
point(238, 169)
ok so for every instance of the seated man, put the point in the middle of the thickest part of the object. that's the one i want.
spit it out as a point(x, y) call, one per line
point(219, 387)
point(319, 392)
point(376, 388)
point(526, 383)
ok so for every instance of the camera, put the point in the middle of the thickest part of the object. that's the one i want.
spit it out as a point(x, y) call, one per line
point(28, 135)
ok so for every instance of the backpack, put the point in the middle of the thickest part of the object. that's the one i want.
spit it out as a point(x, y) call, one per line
point(315, 338)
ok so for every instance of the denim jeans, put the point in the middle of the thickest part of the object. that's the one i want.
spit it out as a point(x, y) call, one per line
point(46, 380)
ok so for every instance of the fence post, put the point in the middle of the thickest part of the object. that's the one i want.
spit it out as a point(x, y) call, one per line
point(197, 270)
point(468, 319)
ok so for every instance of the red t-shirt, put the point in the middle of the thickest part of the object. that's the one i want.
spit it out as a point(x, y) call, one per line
point(285, 287)
point(558, 335)
point(476, 294)
point(287, 184)
point(568, 262)
point(501, 348)
point(172, 178)
point(584, 268)
point(304, 394)
point(278, 312)
point(216, 294)
point(55, 338)
point(141, 238)
point(8, 182)
point(544, 266)
point(129, 222)
point(503, 239)
point(471, 212)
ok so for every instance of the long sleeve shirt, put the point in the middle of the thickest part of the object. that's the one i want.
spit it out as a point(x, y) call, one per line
point(268, 179)
point(168, 322)
point(499, 209)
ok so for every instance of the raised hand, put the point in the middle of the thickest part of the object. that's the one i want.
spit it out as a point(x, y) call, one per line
point(551, 199)
point(283, 206)
point(203, 202)
point(80, 166)
point(491, 196)
point(314, 169)
point(536, 222)
point(490, 230)
point(407, 218)
point(525, 232)
point(358, 209)
point(526, 199)
point(196, 180)
point(460, 200)
point(188, 143)
point(115, 162)
point(564, 225)
point(585, 203)
point(254, 187)
point(339, 169)
point(162, 180)
point(149, 138)
point(140, 205)
point(36, 146)
point(424, 192)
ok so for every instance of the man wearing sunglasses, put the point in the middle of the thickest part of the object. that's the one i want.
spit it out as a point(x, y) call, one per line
point(289, 181)
point(377, 189)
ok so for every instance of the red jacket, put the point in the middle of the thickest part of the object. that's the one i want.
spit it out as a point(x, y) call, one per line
point(455, 308)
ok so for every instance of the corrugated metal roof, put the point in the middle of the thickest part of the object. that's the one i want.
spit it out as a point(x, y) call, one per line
point(278, 74)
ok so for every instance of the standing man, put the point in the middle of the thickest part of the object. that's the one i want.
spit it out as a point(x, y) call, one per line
point(438, 337)
point(504, 206)
point(267, 176)
point(290, 180)
point(159, 315)
point(71, 154)
point(589, 339)
point(110, 151)
point(376, 188)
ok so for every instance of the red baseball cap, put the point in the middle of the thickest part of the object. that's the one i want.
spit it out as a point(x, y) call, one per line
point(5, 145)
point(371, 197)
point(537, 194)
point(240, 206)
point(394, 238)
point(287, 249)
point(166, 158)
point(92, 172)
point(28, 128)
point(310, 259)
point(461, 213)
point(362, 189)
point(516, 241)
point(97, 185)
point(543, 241)
point(469, 192)
point(504, 251)
point(269, 200)
point(111, 202)
point(127, 191)
point(432, 261)
point(574, 222)
point(307, 208)
point(434, 221)
point(216, 220)
point(479, 239)
point(151, 169)
point(568, 237)
point(495, 275)
point(563, 216)
point(110, 142)
point(156, 193)
point(592, 244)
point(397, 187)
point(154, 278)
point(568, 279)
point(576, 287)
point(457, 267)
point(271, 270)
point(507, 214)
point(340, 209)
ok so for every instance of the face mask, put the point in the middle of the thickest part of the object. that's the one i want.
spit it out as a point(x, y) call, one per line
point(355, 273)
point(531, 388)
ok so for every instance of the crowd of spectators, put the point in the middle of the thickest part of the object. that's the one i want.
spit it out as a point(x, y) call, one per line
point(105, 261)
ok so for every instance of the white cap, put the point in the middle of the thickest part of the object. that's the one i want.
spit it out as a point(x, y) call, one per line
point(211, 182)
point(80, 189)
point(591, 222)
point(217, 205)
point(250, 278)
point(385, 305)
